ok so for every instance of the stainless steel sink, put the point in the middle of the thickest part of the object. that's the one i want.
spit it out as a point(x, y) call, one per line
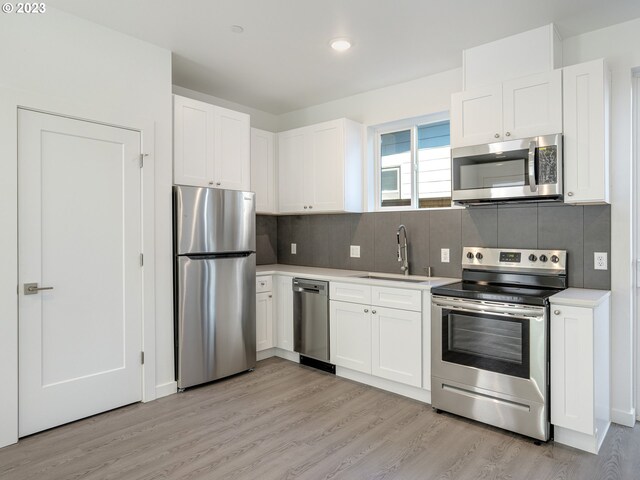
point(393, 279)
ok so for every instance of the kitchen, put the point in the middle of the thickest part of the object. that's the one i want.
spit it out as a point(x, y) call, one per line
point(135, 89)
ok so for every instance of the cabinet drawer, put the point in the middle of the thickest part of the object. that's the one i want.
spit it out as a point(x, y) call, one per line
point(263, 284)
point(350, 292)
point(397, 298)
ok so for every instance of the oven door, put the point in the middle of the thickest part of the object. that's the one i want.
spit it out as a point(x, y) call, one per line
point(492, 346)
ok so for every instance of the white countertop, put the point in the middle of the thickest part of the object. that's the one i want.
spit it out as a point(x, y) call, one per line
point(580, 297)
point(351, 276)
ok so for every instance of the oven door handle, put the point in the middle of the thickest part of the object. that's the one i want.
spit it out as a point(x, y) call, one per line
point(504, 310)
point(533, 144)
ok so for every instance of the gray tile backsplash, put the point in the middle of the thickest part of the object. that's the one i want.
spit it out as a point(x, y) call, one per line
point(324, 240)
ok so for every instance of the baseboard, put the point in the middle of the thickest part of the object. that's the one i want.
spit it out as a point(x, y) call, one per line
point(166, 389)
point(384, 384)
point(264, 354)
point(624, 417)
point(287, 355)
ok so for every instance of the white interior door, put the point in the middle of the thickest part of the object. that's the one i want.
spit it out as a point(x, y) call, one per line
point(80, 234)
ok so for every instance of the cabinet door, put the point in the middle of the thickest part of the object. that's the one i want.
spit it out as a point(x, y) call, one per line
point(284, 309)
point(193, 130)
point(532, 105)
point(476, 116)
point(232, 144)
point(264, 321)
point(263, 170)
point(325, 173)
point(350, 333)
point(586, 133)
point(292, 152)
point(397, 345)
point(571, 360)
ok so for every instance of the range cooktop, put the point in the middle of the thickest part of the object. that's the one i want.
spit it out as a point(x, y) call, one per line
point(509, 276)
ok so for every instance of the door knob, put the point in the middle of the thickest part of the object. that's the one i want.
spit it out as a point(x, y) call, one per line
point(373, 311)
point(570, 194)
point(508, 134)
point(556, 312)
point(32, 288)
point(366, 310)
point(497, 135)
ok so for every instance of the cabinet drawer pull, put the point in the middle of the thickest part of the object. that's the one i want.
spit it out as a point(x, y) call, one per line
point(305, 207)
point(210, 183)
point(497, 135)
point(270, 296)
point(570, 194)
point(373, 311)
point(218, 183)
point(310, 206)
point(366, 310)
point(556, 312)
point(508, 134)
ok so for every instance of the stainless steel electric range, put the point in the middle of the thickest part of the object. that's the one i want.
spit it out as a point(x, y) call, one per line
point(490, 338)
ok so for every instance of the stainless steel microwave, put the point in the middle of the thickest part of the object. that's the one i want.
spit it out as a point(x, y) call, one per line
point(525, 170)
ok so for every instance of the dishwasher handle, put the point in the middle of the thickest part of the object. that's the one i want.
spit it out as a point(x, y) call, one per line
point(304, 285)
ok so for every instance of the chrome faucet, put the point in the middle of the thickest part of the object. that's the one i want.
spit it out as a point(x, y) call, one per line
point(403, 250)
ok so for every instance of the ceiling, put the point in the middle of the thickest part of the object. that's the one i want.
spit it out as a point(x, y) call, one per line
point(282, 60)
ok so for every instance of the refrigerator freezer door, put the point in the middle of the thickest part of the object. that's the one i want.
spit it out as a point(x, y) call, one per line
point(216, 304)
point(210, 220)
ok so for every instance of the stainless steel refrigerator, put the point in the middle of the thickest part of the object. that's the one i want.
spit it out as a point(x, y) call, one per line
point(215, 283)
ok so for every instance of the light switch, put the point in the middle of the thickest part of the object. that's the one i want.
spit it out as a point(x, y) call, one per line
point(293, 248)
point(355, 251)
point(444, 255)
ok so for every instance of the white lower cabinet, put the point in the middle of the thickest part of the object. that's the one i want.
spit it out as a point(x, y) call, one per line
point(580, 373)
point(284, 312)
point(264, 321)
point(396, 352)
point(350, 332)
point(373, 338)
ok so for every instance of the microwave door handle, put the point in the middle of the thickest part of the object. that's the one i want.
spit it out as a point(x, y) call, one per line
point(532, 165)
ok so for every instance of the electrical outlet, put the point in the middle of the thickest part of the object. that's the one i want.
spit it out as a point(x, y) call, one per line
point(444, 255)
point(354, 251)
point(293, 249)
point(600, 261)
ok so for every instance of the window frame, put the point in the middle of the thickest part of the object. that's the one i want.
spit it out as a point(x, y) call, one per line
point(411, 124)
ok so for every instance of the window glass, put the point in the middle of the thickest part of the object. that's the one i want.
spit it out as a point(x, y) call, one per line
point(415, 166)
point(395, 169)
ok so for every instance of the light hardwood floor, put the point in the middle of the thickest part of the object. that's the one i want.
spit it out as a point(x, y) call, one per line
point(285, 421)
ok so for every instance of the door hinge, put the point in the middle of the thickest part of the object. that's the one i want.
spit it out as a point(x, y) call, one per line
point(142, 259)
point(142, 358)
point(142, 155)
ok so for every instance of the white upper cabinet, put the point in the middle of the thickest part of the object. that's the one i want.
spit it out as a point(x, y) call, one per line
point(476, 116)
point(320, 168)
point(520, 108)
point(292, 151)
point(263, 170)
point(211, 145)
point(586, 132)
point(532, 106)
point(192, 141)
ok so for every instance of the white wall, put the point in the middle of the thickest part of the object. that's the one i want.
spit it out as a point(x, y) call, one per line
point(416, 98)
point(259, 118)
point(620, 45)
point(58, 56)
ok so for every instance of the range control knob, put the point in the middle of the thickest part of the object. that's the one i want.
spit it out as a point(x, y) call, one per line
point(479, 256)
point(532, 258)
point(555, 259)
point(543, 258)
point(470, 255)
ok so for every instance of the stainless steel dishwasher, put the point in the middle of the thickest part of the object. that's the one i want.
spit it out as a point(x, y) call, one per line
point(311, 322)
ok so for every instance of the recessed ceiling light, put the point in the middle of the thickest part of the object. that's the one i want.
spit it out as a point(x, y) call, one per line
point(237, 29)
point(341, 44)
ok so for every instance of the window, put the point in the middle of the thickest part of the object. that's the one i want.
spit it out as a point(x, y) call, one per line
point(414, 166)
